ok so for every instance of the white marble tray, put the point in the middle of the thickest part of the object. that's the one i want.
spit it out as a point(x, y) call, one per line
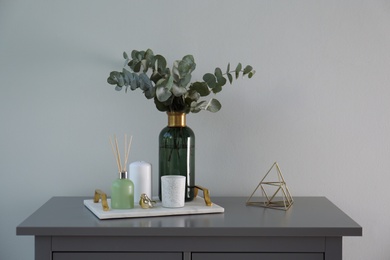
point(197, 206)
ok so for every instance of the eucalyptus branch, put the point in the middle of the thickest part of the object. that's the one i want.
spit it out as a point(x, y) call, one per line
point(172, 89)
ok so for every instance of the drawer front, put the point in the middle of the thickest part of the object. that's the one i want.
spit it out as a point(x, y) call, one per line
point(116, 256)
point(257, 256)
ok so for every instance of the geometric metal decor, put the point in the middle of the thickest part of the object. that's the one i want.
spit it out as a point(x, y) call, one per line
point(274, 193)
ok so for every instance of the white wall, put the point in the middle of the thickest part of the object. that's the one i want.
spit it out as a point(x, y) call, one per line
point(318, 104)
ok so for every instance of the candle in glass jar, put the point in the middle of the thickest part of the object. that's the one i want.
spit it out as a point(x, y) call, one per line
point(141, 176)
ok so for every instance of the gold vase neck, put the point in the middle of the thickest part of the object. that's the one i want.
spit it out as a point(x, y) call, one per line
point(176, 119)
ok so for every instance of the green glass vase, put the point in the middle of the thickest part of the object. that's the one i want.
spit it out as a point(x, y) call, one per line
point(177, 152)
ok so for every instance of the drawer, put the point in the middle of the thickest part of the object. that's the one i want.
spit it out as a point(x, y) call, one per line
point(257, 256)
point(117, 256)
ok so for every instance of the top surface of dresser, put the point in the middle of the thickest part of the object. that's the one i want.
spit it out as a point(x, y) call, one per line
point(308, 216)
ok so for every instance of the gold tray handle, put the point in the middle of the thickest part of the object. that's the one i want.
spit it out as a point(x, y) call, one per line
point(206, 194)
point(101, 195)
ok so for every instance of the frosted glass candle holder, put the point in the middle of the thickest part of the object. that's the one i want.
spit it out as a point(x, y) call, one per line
point(173, 191)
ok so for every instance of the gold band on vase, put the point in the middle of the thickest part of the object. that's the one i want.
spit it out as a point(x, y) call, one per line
point(176, 119)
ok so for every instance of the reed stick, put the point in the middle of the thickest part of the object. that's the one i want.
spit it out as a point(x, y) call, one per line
point(117, 155)
point(128, 151)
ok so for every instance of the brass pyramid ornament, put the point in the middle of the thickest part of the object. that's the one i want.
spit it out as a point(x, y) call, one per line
point(274, 194)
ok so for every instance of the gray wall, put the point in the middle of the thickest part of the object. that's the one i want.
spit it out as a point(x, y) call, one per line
point(319, 103)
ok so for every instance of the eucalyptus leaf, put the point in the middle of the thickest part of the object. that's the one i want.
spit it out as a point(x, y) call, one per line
point(137, 66)
point(146, 83)
point(155, 77)
point(230, 77)
point(217, 88)
point(193, 95)
point(193, 104)
point(126, 80)
point(160, 105)
point(134, 54)
point(197, 107)
point(221, 80)
point(238, 70)
point(213, 105)
point(111, 81)
point(117, 78)
point(149, 55)
point(150, 93)
point(169, 84)
point(195, 110)
point(121, 81)
point(125, 56)
point(160, 62)
point(162, 93)
point(210, 80)
point(128, 76)
point(141, 85)
point(114, 75)
point(183, 82)
point(186, 65)
point(140, 55)
point(218, 73)
point(178, 91)
point(131, 64)
point(166, 83)
point(134, 83)
point(247, 69)
point(145, 65)
point(201, 88)
point(117, 88)
point(175, 71)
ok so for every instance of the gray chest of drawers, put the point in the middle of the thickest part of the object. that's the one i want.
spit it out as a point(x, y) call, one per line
point(312, 229)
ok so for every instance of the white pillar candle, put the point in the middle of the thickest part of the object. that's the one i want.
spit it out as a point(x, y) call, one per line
point(141, 176)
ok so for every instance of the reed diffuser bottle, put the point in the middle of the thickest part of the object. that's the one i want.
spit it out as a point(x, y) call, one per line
point(122, 192)
point(122, 189)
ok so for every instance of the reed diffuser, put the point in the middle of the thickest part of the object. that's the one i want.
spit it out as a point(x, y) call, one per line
point(122, 189)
